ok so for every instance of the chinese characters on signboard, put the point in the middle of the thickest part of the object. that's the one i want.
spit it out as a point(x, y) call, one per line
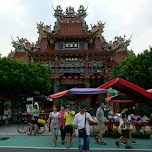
point(70, 45)
point(71, 59)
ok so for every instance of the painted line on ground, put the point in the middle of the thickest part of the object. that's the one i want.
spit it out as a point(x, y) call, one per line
point(114, 149)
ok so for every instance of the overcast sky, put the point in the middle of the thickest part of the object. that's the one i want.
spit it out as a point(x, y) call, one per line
point(19, 18)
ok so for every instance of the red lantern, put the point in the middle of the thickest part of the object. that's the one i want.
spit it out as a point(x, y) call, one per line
point(75, 78)
point(69, 78)
point(63, 78)
point(58, 78)
point(81, 78)
point(93, 77)
point(52, 78)
point(99, 77)
point(87, 78)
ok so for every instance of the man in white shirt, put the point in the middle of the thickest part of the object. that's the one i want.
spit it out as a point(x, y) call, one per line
point(82, 120)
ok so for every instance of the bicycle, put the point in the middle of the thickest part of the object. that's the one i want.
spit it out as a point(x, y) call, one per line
point(24, 126)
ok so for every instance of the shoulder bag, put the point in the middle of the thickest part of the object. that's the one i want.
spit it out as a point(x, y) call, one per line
point(82, 132)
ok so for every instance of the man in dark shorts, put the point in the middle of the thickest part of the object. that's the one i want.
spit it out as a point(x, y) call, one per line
point(69, 117)
point(125, 129)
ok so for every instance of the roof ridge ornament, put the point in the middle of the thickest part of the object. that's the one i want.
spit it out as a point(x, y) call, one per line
point(118, 42)
point(70, 14)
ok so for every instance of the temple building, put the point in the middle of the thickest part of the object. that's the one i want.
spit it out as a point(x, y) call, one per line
point(79, 56)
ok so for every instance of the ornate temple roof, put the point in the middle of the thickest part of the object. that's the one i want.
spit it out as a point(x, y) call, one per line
point(70, 25)
point(21, 55)
point(119, 55)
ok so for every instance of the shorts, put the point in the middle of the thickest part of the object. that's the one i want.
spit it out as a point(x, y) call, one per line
point(102, 128)
point(54, 132)
point(125, 133)
point(84, 143)
point(69, 129)
point(34, 120)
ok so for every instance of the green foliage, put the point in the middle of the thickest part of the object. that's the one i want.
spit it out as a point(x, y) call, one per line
point(136, 69)
point(20, 77)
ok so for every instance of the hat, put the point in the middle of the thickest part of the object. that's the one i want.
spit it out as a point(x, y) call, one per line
point(82, 106)
point(69, 106)
point(63, 106)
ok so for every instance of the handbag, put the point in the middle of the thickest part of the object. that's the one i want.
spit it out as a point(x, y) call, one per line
point(82, 132)
point(123, 127)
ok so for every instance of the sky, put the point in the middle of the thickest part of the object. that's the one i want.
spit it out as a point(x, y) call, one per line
point(122, 17)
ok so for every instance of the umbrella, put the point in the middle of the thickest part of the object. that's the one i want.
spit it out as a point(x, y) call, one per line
point(87, 91)
point(79, 91)
point(112, 92)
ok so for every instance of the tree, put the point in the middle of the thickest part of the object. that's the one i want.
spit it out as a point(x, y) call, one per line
point(136, 69)
point(21, 77)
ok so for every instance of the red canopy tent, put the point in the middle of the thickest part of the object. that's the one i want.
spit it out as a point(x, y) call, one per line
point(123, 98)
point(4, 99)
point(59, 94)
point(130, 90)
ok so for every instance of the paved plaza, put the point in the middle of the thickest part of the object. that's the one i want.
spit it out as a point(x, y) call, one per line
point(39, 142)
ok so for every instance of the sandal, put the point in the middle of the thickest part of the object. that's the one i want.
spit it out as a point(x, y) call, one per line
point(96, 139)
point(103, 143)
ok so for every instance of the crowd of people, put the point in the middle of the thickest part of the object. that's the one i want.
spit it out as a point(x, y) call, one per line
point(71, 124)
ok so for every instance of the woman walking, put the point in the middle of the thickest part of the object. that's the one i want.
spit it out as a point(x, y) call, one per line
point(62, 123)
point(53, 123)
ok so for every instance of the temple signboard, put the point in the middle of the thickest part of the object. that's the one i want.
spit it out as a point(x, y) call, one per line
point(72, 70)
point(70, 45)
point(71, 59)
point(96, 64)
point(73, 65)
point(96, 70)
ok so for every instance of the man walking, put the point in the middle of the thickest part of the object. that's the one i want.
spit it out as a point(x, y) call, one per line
point(82, 120)
point(101, 123)
point(124, 129)
point(69, 117)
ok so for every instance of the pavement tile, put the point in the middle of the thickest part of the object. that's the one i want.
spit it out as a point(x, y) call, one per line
point(45, 140)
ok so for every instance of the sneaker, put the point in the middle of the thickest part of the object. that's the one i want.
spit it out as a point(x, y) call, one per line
point(96, 139)
point(117, 143)
point(123, 143)
point(128, 147)
point(62, 142)
point(133, 142)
